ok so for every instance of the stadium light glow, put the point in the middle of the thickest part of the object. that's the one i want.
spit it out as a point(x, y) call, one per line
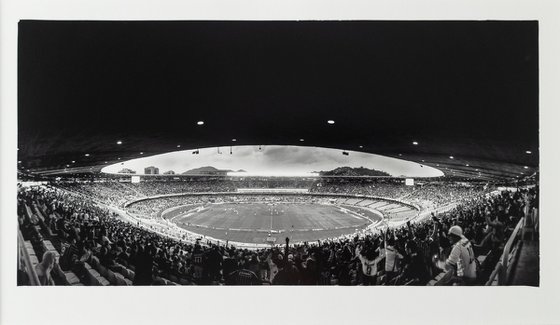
point(528, 152)
point(301, 140)
point(73, 161)
point(200, 123)
point(87, 155)
point(526, 167)
point(330, 121)
point(233, 140)
point(119, 142)
point(141, 153)
point(451, 157)
point(415, 143)
point(178, 146)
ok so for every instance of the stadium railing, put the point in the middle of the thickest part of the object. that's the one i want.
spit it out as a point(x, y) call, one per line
point(503, 268)
point(28, 266)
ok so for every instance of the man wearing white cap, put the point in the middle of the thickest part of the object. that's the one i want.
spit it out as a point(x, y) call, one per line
point(461, 258)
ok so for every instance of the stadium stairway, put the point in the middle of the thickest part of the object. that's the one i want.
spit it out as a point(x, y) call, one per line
point(526, 268)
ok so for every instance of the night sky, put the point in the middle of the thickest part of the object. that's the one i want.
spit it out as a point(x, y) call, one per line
point(471, 87)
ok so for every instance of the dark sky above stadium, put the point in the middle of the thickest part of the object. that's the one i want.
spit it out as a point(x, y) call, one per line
point(466, 85)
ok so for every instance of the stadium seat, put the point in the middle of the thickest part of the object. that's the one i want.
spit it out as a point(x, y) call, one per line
point(94, 278)
point(71, 278)
point(121, 280)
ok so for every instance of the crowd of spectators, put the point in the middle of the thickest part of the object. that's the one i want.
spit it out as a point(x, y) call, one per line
point(435, 195)
point(410, 254)
point(117, 193)
point(386, 190)
point(424, 195)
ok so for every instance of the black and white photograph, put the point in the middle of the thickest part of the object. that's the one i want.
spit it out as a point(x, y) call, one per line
point(278, 153)
point(193, 157)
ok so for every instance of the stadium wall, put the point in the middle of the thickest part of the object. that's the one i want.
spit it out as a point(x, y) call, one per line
point(358, 196)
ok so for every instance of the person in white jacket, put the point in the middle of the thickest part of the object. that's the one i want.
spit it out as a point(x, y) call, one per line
point(462, 258)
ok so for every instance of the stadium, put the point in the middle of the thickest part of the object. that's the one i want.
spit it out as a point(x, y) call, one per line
point(355, 160)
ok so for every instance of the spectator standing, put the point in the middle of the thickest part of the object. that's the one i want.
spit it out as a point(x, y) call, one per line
point(144, 267)
point(462, 259)
point(369, 259)
point(392, 257)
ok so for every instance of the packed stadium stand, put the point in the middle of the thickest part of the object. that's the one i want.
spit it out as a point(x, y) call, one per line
point(115, 233)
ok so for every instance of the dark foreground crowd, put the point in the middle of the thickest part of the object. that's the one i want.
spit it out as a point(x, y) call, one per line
point(408, 255)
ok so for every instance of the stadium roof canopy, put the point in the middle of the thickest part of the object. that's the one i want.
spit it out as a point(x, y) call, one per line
point(93, 93)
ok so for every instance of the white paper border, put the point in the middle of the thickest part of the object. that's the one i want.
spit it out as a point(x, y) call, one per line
point(279, 305)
